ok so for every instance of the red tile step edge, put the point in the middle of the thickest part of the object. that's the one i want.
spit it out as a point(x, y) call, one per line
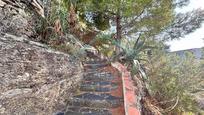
point(128, 90)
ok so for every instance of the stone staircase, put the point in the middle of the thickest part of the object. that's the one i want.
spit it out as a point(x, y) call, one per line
point(100, 93)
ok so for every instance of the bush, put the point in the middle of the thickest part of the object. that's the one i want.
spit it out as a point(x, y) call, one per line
point(172, 81)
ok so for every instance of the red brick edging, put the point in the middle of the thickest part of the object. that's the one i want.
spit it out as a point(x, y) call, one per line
point(128, 90)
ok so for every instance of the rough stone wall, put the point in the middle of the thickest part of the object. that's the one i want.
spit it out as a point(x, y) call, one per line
point(34, 79)
point(16, 21)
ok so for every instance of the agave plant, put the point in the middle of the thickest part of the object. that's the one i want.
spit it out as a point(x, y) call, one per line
point(131, 56)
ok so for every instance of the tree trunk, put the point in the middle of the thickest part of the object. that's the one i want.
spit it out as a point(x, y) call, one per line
point(118, 27)
point(118, 31)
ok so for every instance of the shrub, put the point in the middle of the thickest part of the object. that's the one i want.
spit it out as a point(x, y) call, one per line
point(172, 81)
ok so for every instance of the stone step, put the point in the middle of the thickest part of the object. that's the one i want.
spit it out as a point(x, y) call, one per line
point(95, 66)
point(93, 58)
point(98, 86)
point(86, 111)
point(59, 113)
point(98, 83)
point(95, 62)
point(95, 91)
point(98, 77)
point(97, 73)
point(91, 70)
point(96, 101)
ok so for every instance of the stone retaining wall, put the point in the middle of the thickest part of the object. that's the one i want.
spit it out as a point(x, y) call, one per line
point(33, 78)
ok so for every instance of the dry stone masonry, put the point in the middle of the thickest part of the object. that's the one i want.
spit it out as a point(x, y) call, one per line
point(33, 78)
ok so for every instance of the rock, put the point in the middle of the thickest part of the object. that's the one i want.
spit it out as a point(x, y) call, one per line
point(16, 21)
point(14, 92)
point(33, 78)
point(200, 100)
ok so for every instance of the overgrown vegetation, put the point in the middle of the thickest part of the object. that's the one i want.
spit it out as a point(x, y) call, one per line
point(132, 32)
point(173, 79)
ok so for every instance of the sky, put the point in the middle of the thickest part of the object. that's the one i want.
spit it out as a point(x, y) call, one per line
point(193, 40)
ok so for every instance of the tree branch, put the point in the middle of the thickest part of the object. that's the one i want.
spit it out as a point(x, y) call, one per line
point(171, 108)
point(133, 20)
